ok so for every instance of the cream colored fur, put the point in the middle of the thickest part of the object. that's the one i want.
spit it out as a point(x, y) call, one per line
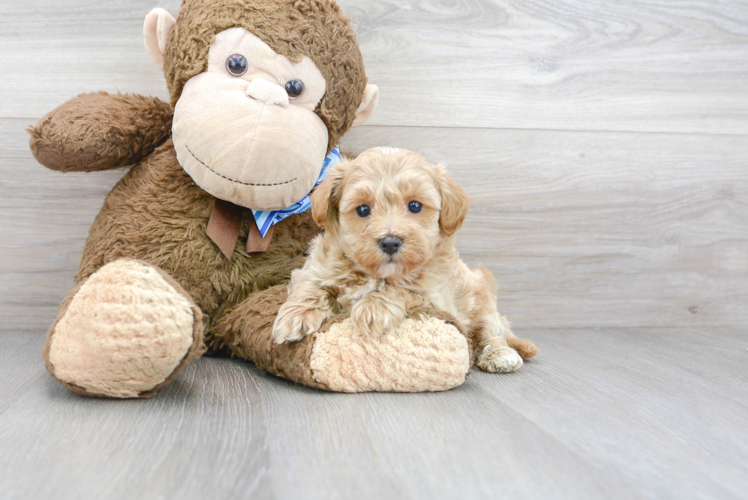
point(125, 331)
point(348, 273)
point(424, 355)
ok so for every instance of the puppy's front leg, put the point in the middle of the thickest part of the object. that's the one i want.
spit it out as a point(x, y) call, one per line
point(307, 307)
point(378, 313)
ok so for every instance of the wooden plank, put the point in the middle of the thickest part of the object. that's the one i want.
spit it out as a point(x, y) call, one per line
point(223, 430)
point(76, 447)
point(81, 46)
point(580, 229)
point(21, 367)
point(600, 413)
point(665, 407)
point(445, 445)
point(569, 65)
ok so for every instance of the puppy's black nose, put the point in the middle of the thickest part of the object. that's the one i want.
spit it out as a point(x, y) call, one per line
point(390, 244)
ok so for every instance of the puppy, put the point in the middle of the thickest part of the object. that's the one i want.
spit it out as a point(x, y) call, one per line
point(390, 219)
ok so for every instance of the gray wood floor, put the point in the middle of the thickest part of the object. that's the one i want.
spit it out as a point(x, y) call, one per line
point(605, 145)
point(601, 413)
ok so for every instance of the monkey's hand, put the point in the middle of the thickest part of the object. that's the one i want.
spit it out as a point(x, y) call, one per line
point(99, 131)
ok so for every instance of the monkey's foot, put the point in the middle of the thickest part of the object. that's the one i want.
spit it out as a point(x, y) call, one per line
point(124, 333)
point(424, 354)
point(496, 357)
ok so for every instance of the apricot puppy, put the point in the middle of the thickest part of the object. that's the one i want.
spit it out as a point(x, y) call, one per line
point(388, 247)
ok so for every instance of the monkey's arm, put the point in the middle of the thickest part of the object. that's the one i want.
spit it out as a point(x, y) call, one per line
point(99, 131)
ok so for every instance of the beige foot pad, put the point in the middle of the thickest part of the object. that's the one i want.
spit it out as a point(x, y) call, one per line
point(421, 355)
point(128, 329)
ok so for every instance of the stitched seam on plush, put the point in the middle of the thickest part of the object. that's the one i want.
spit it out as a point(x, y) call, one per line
point(235, 181)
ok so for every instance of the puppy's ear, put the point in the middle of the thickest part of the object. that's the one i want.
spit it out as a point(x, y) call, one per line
point(326, 197)
point(455, 202)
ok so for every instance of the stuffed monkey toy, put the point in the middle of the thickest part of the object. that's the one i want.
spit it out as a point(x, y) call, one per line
point(193, 249)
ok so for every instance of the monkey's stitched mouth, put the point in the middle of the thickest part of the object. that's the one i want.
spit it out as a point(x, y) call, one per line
point(234, 180)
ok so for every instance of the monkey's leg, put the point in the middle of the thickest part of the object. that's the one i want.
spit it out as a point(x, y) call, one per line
point(426, 354)
point(124, 332)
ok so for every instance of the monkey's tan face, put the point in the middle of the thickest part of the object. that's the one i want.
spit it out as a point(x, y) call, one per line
point(246, 130)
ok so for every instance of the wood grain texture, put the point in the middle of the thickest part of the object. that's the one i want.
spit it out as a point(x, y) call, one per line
point(677, 66)
point(580, 229)
point(601, 413)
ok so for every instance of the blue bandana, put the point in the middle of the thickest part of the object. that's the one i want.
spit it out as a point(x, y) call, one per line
point(267, 218)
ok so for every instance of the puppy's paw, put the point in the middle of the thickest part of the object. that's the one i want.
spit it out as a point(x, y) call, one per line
point(374, 317)
point(497, 357)
point(294, 323)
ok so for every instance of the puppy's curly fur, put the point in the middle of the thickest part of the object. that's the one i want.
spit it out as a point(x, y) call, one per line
point(390, 219)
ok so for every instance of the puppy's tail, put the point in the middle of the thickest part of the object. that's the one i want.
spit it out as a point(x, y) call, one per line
point(525, 348)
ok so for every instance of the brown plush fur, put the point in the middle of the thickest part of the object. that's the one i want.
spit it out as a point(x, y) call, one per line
point(243, 331)
point(157, 214)
point(316, 28)
point(99, 131)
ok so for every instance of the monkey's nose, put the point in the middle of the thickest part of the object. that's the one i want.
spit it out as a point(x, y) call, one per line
point(267, 92)
point(390, 244)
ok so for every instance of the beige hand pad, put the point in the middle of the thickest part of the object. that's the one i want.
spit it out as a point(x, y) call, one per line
point(421, 355)
point(125, 331)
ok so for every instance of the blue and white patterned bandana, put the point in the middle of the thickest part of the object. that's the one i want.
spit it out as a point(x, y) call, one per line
point(267, 218)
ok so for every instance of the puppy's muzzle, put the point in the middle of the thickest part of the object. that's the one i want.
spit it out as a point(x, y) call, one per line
point(390, 244)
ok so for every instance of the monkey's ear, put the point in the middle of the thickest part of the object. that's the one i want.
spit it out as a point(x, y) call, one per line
point(156, 29)
point(368, 105)
point(455, 202)
point(326, 197)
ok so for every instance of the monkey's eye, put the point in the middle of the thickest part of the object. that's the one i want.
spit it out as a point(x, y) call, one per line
point(363, 211)
point(294, 88)
point(237, 65)
point(414, 207)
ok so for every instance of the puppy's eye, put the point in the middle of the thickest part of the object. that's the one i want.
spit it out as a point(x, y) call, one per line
point(294, 89)
point(414, 207)
point(237, 65)
point(363, 211)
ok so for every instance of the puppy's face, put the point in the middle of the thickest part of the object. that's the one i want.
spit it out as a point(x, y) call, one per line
point(389, 209)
